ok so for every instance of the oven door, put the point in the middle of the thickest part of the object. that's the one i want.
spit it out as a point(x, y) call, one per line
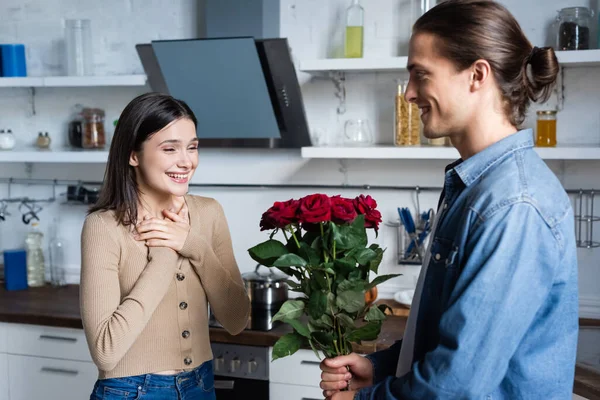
point(227, 388)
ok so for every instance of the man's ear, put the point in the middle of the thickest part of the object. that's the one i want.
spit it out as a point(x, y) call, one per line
point(481, 72)
point(133, 159)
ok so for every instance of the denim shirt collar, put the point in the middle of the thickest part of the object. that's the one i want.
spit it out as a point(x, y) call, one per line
point(472, 168)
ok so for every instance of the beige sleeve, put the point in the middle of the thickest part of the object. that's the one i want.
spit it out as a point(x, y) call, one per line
point(111, 323)
point(219, 273)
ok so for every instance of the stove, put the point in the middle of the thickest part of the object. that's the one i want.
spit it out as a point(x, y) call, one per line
point(258, 320)
point(241, 371)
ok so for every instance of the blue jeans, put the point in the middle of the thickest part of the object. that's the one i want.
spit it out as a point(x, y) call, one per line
point(197, 384)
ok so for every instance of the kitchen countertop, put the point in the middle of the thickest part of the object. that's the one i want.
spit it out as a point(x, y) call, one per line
point(59, 307)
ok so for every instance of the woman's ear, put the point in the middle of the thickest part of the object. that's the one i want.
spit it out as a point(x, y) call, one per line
point(133, 159)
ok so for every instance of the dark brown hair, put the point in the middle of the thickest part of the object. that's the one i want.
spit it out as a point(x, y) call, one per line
point(143, 116)
point(471, 30)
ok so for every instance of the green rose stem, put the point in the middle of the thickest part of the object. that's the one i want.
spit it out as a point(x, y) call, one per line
point(325, 257)
point(285, 236)
point(295, 238)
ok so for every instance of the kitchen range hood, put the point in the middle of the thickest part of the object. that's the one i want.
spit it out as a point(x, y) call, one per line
point(244, 91)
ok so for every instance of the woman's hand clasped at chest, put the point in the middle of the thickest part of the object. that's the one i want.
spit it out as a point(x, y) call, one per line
point(170, 232)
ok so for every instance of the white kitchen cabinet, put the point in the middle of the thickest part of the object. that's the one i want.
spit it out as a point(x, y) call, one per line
point(294, 392)
point(51, 379)
point(45, 363)
point(301, 368)
point(3, 376)
point(45, 341)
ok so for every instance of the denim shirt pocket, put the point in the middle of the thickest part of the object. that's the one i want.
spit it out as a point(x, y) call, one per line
point(445, 268)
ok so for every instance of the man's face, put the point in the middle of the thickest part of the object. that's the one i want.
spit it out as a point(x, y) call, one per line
point(442, 93)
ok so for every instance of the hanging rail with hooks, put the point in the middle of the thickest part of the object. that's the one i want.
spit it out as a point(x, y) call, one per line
point(584, 219)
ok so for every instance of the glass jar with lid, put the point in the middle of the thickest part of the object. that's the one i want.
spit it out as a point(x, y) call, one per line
point(546, 128)
point(574, 25)
point(407, 128)
point(93, 135)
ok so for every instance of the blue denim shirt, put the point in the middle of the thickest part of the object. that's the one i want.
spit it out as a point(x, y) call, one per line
point(498, 317)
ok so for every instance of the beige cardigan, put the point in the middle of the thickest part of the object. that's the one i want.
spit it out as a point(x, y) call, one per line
point(144, 310)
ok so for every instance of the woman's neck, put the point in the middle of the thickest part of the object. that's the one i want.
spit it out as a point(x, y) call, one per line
point(153, 205)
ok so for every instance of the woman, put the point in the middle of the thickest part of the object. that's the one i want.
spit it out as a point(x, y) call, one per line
point(153, 257)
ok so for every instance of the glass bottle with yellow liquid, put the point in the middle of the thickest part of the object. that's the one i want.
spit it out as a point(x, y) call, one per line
point(353, 47)
point(546, 129)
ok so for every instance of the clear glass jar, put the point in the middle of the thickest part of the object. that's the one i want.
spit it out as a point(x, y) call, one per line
point(354, 31)
point(78, 46)
point(407, 128)
point(93, 136)
point(574, 25)
point(546, 129)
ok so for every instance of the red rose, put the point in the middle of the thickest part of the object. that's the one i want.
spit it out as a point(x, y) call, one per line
point(280, 215)
point(315, 208)
point(342, 210)
point(366, 206)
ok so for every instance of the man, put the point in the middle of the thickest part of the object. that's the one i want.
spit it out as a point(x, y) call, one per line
point(495, 312)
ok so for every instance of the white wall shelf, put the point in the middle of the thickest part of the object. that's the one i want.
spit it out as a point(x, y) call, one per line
point(581, 58)
point(53, 156)
point(436, 153)
point(74, 81)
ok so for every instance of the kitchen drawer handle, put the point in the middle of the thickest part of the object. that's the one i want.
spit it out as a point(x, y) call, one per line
point(305, 362)
point(60, 338)
point(224, 385)
point(60, 371)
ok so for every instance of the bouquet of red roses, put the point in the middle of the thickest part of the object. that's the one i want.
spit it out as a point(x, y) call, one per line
point(325, 249)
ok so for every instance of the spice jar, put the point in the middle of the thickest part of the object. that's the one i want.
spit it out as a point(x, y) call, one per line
point(408, 120)
point(93, 136)
point(43, 140)
point(546, 129)
point(574, 25)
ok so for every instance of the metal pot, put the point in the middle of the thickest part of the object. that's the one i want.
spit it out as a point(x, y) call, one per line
point(266, 290)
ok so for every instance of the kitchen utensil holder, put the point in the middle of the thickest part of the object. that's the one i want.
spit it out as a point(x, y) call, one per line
point(403, 240)
point(585, 219)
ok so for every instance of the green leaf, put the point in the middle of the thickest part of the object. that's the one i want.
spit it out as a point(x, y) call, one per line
point(323, 338)
point(308, 253)
point(356, 274)
point(320, 279)
point(327, 321)
point(369, 331)
point(351, 301)
point(317, 325)
point(317, 304)
point(374, 264)
point(345, 320)
point(350, 236)
point(287, 345)
point(374, 314)
point(363, 256)
point(380, 279)
point(351, 285)
point(293, 285)
point(314, 348)
point(346, 264)
point(300, 327)
point(291, 309)
point(290, 260)
point(267, 252)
